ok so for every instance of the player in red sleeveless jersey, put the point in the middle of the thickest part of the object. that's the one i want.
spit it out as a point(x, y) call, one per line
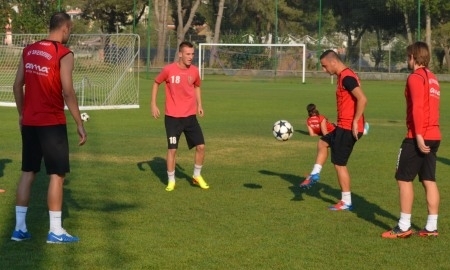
point(43, 84)
point(417, 155)
point(351, 102)
point(318, 125)
point(183, 102)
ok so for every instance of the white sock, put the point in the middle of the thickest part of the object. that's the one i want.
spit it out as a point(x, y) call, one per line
point(197, 170)
point(431, 223)
point(405, 221)
point(347, 197)
point(55, 222)
point(316, 169)
point(21, 213)
point(171, 176)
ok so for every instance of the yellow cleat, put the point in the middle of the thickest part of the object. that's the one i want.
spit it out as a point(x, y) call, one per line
point(170, 186)
point(198, 180)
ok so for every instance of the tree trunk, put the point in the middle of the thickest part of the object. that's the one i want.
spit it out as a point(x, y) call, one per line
point(161, 8)
point(182, 29)
point(213, 52)
point(447, 57)
point(428, 30)
point(408, 28)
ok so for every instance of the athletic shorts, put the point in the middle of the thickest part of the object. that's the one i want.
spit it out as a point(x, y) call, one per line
point(48, 142)
point(411, 162)
point(187, 125)
point(341, 142)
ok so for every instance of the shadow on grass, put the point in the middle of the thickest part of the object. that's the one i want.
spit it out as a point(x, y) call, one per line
point(159, 168)
point(444, 160)
point(302, 132)
point(3, 163)
point(362, 208)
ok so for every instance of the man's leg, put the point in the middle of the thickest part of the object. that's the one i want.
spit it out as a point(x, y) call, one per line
point(22, 201)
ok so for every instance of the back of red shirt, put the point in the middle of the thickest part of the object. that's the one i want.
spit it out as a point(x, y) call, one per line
point(43, 103)
point(314, 122)
point(181, 99)
point(422, 95)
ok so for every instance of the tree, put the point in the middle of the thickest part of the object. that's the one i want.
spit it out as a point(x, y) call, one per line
point(32, 16)
point(185, 12)
point(218, 24)
point(161, 9)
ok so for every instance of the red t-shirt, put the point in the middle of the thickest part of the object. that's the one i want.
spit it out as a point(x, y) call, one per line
point(346, 102)
point(181, 100)
point(314, 122)
point(43, 103)
point(422, 95)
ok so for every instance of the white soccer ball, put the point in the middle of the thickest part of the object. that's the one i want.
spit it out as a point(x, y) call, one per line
point(84, 117)
point(282, 130)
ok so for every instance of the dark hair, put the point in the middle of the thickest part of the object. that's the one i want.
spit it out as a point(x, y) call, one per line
point(331, 54)
point(420, 53)
point(58, 20)
point(311, 108)
point(185, 44)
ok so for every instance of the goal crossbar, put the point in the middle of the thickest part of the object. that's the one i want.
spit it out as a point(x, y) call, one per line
point(202, 49)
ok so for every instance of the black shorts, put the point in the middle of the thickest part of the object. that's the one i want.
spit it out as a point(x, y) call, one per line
point(48, 142)
point(341, 142)
point(187, 125)
point(411, 162)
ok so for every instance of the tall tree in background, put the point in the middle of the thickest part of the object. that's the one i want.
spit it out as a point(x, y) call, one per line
point(185, 12)
point(161, 10)
point(32, 16)
point(407, 8)
point(212, 56)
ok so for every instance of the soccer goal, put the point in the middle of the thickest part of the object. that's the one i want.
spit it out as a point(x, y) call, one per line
point(103, 75)
point(259, 60)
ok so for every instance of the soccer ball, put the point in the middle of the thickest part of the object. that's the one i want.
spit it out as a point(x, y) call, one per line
point(84, 117)
point(282, 130)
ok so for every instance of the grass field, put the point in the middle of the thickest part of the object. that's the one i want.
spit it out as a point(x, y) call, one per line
point(254, 216)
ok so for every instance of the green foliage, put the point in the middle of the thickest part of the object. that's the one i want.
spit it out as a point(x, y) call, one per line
point(33, 16)
point(254, 216)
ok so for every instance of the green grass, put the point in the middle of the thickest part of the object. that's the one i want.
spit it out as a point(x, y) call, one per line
point(254, 216)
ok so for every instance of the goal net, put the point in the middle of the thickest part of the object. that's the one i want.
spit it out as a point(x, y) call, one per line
point(103, 75)
point(257, 60)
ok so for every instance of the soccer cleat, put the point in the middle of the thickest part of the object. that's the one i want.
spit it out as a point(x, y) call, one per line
point(425, 233)
point(20, 236)
point(310, 181)
point(396, 232)
point(61, 239)
point(198, 180)
point(170, 186)
point(341, 205)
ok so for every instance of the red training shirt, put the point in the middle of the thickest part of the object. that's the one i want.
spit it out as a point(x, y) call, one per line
point(314, 123)
point(422, 95)
point(346, 102)
point(43, 103)
point(181, 100)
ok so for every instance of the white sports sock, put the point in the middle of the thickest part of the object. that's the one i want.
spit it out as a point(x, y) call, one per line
point(171, 176)
point(197, 170)
point(347, 197)
point(316, 169)
point(431, 223)
point(21, 213)
point(405, 221)
point(55, 222)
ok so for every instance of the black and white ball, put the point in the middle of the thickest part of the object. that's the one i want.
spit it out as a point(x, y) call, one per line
point(84, 117)
point(282, 130)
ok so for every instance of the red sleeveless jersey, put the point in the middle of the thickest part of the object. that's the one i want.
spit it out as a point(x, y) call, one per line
point(346, 103)
point(422, 95)
point(314, 123)
point(43, 103)
point(181, 100)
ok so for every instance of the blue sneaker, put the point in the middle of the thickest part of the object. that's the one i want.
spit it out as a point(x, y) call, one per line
point(20, 236)
point(62, 238)
point(310, 181)
point(341, 205)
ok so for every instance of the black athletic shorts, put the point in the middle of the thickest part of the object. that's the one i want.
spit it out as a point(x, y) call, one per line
point(187, 125)
point(411, 162)
point(48, 142)
point(341, 142)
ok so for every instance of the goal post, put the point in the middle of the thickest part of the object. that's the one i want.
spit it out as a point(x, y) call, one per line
point(265, 60)
point(104, 69)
